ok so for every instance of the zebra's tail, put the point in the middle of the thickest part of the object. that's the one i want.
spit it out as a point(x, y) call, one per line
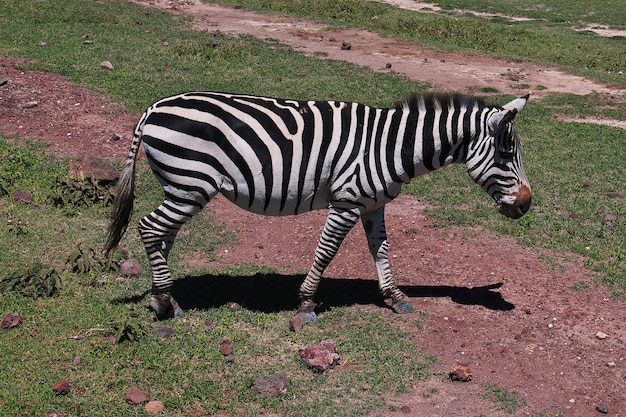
point(125, 196)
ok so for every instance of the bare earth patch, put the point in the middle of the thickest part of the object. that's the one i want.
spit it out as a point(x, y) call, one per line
point(522, 318)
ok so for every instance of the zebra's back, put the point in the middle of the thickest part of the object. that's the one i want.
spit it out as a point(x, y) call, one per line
point(269, 156)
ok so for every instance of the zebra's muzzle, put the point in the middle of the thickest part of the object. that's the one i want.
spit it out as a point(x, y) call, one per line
point(516, 204)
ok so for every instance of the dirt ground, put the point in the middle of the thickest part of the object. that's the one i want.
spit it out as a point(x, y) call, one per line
point(511, 313)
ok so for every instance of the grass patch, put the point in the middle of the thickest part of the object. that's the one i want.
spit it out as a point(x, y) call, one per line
point(145, 68)
point(508, 401)
point(549, 41)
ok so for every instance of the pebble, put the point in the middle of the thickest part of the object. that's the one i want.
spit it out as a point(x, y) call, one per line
point(601, 335)
point(106, 65)
point(602, 408)
point(3, 81)
point(154, 407)
point(61, 387)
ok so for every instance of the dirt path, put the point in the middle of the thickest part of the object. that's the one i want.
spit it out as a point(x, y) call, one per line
point(445, 71)
point(512, 313)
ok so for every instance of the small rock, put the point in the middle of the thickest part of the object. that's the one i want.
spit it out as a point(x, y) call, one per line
point(209, 326)
point(77, 360)
point(601, 335)
point(61, 387)
point(602, 408)
point(120, 280)
point(614, 194)
point(30, 104)
point(296, 323)
point(135, 396)
point(3, 81)
point(22, 196)
point(225, 348)
point(321, 357)
point(87, 42)
point(346, 46)
point(164, 331)
point(42, 43)
point(55, 415)
point(106, 65)
point(270, 386)
point(114, 137)
point(154, 407)
point(388, 66)
point(460, 372)
point(405, 409)
point(11, 320)
point(130, 267)
point(234, 306)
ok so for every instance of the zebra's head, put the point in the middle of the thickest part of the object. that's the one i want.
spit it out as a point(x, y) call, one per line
point(494, 160)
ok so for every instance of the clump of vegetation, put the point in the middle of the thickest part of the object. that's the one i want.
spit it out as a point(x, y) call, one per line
point(37, 280)
point(508, 401)
point(85, 259)
point(74, 192)
point(14, 163)
point(129, 327)
point(16, 226)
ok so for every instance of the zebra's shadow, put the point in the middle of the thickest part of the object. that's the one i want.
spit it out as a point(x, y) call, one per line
point(272, 293)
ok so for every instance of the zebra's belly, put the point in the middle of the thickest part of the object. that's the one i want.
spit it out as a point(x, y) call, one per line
point(278, 204)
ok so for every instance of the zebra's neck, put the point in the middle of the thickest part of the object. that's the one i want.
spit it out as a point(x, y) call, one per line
point(435, 133)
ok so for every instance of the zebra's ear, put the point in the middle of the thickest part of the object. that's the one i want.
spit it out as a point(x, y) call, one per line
point(500, 118)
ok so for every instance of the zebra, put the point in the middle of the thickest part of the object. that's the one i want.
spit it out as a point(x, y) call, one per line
point(285, 157)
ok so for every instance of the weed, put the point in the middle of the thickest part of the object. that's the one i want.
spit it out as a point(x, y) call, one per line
point(71, 193)
point(38, 280)
point(507, 400)
point(129, 326)
point(15, 226)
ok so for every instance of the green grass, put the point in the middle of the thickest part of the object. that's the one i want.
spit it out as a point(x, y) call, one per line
point(502, 397)
point(549, 41)
point(556, 11)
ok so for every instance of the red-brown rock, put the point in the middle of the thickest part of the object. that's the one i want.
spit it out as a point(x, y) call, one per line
point(321, 357)
point(11, 320)
point(61, 387)
point(136, 396)
point(460, 372)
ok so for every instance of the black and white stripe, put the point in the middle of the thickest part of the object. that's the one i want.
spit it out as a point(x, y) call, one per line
point(285, 157)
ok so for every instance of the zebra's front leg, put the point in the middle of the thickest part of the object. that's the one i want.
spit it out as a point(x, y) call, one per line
point(338, 223)
point(374, 225)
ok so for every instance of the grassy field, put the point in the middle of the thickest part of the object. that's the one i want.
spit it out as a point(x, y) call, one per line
point(549, 40)
point(577, 173)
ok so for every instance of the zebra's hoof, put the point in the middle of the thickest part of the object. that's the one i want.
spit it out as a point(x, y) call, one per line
point(309, 317)
point(178, 312)
point(165, 307)
point(404, 307)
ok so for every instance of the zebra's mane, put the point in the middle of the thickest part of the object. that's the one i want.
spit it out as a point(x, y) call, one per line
point(430, 100)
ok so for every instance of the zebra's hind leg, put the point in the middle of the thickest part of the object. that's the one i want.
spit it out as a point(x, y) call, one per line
point(338, 223)
point(374, 225)
point(158, 231)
